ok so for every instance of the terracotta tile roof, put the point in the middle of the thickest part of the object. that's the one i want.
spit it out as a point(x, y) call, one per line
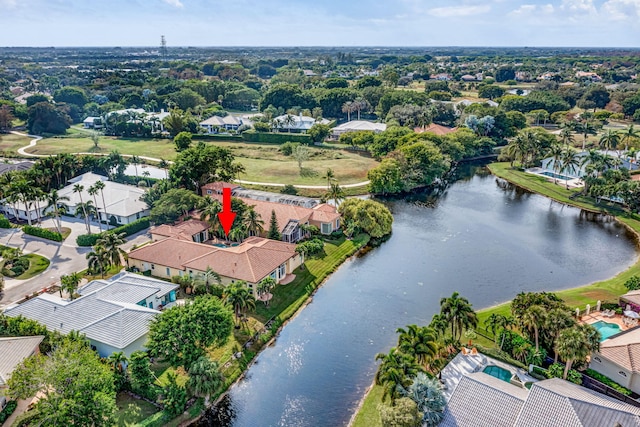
point(632, 296)
point(324, 213)
point(217, 187)
point(623, 350)
point(182, 231)
point(171, 252)
point(252, 260)
point(435, 128)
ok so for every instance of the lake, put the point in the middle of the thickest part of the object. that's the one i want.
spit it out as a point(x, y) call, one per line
point(482, 237)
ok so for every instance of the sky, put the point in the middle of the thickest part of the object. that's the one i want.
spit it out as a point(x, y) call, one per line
point(607, 23)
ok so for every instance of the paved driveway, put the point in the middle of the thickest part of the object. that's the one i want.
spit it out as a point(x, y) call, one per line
point(65, 257)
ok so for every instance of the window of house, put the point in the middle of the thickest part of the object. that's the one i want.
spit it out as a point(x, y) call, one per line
point(622, 373)
point(150, 305)
point(337, 223)
point(283, 270)
point(168, 271)
point(597, 359)
point(326, 228)
point(209, 192)
point(153, 266)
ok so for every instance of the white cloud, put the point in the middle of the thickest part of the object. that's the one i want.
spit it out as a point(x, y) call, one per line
point(175, 3)
point(578, 6)
point(9, 4)
point(454, 11)
point(532, 10)
point(621, 10)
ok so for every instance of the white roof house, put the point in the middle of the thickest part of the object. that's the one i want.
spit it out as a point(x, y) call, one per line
point(358, 125)
point(299, 123)
point(122, 201)
point(228, 122)
point(113, 314)
point(14, 350)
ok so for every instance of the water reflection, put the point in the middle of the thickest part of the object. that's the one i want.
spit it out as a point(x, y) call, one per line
point(482, 237)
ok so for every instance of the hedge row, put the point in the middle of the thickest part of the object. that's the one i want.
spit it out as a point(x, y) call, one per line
point(275, 138)
point(607, 381)
point(217, 136)
point(4, 222)
point(42, 232)
point(8, 410)
point(127, 229)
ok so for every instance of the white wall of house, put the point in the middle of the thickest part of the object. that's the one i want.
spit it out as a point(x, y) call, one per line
point(615, 372)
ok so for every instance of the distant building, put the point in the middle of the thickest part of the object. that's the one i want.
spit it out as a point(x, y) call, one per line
point(436, 129)
point(587, 75)
point(216, 124)
point(357, 125)
point(297, 124)
point(92, 123)
point(191, 231)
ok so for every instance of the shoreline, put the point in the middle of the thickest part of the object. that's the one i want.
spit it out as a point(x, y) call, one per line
point(635, 266)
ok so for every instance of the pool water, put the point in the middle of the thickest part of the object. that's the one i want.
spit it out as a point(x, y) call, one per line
point(555, 175)
point(498, 372)
point(606, 329)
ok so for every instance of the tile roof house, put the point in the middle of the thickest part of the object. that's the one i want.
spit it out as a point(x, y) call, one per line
point(356, 126)
point(114, 314)
point(191, 230)
point(290, 217)
point(251, 261)
point(619, 359)
point(436, 129)
point(298, 124)
point(481, 400)
point(122, 201)
point(216, 188)
point(13, 350)
point(215, 123)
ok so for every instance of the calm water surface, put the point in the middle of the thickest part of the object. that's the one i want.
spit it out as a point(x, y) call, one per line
point(483, 238)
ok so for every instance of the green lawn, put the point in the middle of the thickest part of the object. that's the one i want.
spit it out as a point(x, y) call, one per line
point(263, 162)
point(131, 411)
point(37, 264)
point(368, 415)
point(9, 143)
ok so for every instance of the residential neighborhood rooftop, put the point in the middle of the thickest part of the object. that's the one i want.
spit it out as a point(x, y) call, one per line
point(14, 350)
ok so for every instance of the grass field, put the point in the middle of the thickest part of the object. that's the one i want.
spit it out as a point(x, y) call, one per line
point(131, 411)
point(9, 143)
point(263, 162)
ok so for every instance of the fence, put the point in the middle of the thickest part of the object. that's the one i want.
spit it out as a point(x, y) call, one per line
point(595, 385)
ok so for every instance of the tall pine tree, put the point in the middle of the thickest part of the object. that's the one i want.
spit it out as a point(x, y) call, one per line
point(274, 230)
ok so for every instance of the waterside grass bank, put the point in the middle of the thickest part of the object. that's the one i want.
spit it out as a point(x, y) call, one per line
point(607, 290)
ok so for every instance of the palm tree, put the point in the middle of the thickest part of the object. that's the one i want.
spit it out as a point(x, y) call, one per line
point(70, 283)
point(164, 165)
point(347, 108)
point(419, 342)
point(556, 321)
point(55, 201)
point(85, 210)
point(571, 163)
point(100, 185)
point(628, 136)
point(237, 234)
point(330, 176)
point(533, 319)
point(97, 260)
point(566, 136)
point(439, 324)
point(79, 188)
point(556, 153)
point(395, 371)
point(136, 161)
point(459, 313)
point(585, 129)
point(146, 175)
point(93, 191)
point(335, 193)
point(496, 323)
point(427, 393)
point(253, 222)
point(209, 276)
point(111, 243)
point(237, 295)
point(205, 378)
point(209, 212)
point(610, 141)
point(117, 360)
point(265, 286)
point(289, 120)
point(574, 344)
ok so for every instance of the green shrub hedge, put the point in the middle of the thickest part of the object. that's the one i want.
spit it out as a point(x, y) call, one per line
point(275, 138)
point(217, 136)
point(4, 222)
point(607, 381)
point(8, 410)
point(127, 229)
point(42, 232)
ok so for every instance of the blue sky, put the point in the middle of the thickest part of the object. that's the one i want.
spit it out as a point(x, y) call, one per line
point(320, 22)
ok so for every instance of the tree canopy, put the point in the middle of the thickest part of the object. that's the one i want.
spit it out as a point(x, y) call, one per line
point(369, 216)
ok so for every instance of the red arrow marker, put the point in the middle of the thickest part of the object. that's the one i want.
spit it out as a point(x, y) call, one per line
point(227, 216)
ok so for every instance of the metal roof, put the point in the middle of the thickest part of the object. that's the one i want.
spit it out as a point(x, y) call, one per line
point(13, 351)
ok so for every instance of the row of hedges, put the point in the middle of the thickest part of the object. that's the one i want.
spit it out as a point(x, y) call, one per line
point(4, 222)
point(8, 410)
point(607, 381)
point(275, 138)
point(127, 229)
point(217, 136)
point(42, 232)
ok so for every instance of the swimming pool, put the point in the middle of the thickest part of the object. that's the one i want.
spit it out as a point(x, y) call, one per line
point(606, 329)
point(556, 175)
point(498, 372)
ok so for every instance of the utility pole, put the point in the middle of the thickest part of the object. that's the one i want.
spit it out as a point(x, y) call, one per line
point(163, 47)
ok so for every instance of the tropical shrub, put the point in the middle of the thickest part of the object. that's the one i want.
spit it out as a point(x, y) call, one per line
point(4, 222)
point(310, 247)
point(8, 410)
point(607, 381)
point(556, 370)
point(42, 232)
point(633, 283)
point(288, 147)
point(127, 229)
point(87, 239)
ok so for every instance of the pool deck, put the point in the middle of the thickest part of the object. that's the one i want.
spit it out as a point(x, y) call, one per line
point(468, 364)
point(571, 183)
point(598, 316)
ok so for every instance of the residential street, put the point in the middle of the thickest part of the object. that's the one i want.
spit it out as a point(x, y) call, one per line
point(65, 257)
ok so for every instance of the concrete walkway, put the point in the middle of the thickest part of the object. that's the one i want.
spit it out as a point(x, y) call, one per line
point(36, 138)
